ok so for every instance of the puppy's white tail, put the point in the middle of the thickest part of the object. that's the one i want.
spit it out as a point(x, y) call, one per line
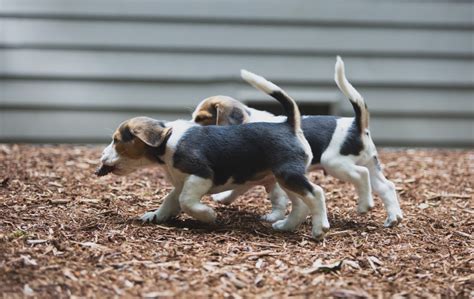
point(292, 111)
point(357, 101)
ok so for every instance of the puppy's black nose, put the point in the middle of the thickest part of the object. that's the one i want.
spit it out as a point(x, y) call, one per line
point(104, 170)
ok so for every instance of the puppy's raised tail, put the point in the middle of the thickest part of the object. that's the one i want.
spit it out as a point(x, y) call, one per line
point(357, 101)
point(292, 112)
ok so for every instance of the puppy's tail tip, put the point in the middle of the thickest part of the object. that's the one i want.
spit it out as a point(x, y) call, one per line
point(259, 82)
point(289, 105)
point(356, 99)
point(339, 72)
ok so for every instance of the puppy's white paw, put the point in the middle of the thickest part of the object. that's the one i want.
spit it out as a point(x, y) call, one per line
point(209, 216)
point(285, 225)
point(318, 232)
point(326, 225)
point(154, 217)
point(224, 198)
point(394, 218)
point(148, 217)
point(273, 216)
point(365, 205)
point(201, 212)
point(320, 226)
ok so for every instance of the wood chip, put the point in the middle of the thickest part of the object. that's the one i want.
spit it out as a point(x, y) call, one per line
point(68, 273)
point(28, 291)
point(319, 266)
point(152, 295)
point(34, 242)
point(60, 201)
point(89, 200)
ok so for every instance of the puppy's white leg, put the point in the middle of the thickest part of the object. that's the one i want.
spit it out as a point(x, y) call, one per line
point(386, 190)
point(224, 198)
point(316, 203)
point(359, 177)
point(296, 184)
point(194, 189)
point(297, 215)
point(228, 197)
point(279, 200)
point(168, 209)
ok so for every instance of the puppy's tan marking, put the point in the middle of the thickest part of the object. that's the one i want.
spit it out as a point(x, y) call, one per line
point(133, 136)
point(220, 110)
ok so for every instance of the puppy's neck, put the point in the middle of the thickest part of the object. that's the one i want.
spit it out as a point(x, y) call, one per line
point(160, 151)
point(169, 143)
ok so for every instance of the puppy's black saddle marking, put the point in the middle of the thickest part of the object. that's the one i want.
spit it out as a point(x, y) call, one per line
point(239, 152)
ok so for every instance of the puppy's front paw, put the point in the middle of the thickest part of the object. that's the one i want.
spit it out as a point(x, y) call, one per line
point(208, 215)
point(274, 216)
point(154, 217)
point(319, 232)
point(320, 227)
point(285, 225)
point(201, 212)
point(393, 219)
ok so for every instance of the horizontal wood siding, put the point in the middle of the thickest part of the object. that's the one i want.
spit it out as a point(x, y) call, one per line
point(71, 71)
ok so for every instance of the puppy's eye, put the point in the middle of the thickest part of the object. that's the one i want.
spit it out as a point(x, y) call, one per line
point(116, 140)
point(198, 119)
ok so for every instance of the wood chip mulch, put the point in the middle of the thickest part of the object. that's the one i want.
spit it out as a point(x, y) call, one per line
point(66, 233)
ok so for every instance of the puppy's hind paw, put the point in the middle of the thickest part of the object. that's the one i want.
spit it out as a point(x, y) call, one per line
point(224, 198)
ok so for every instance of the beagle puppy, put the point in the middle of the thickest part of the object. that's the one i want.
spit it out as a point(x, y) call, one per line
point(342, 146)
point(201, 160)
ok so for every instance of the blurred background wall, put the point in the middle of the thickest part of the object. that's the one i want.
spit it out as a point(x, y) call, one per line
point(71, 71)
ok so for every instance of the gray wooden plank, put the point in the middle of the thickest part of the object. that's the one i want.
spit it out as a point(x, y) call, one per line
point(406, 101)
point(238, 37)
point(108, 95)
point(225, 67)
point(406, 13)
point(100, 95)
point(70, 126)
point(67, 126)
point(422, 131)
point(46, 94)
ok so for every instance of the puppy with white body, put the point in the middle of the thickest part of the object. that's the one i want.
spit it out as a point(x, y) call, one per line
point(342, 146)
point(201, 160)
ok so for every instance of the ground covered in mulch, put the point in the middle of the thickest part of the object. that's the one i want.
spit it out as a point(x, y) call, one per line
point(64, 232)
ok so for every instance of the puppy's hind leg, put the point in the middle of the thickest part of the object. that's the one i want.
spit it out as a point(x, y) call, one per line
point(357, 175)
point(386, 190)
point(228, 197)
point(168, 209)
point(312, 195)
point(194, 189)
point(297, 215)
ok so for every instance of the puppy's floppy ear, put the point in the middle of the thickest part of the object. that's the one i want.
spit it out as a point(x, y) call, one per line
point(150, 131)
point(202, 116)
point(229, 115)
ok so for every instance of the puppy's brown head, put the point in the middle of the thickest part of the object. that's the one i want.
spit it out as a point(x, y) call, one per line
point(221, 111)
point(135, 144)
